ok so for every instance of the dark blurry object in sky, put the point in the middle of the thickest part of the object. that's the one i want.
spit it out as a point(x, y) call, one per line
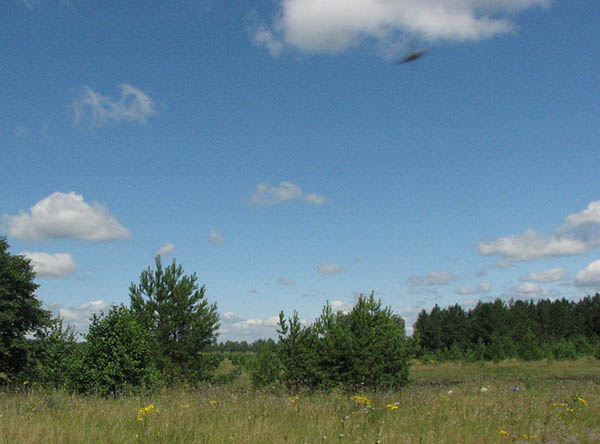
point(412, 56)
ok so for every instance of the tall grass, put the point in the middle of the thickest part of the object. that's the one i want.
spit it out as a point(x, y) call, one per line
point(512, 401)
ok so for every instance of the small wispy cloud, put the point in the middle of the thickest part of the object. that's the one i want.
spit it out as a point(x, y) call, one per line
point(30, 4)
point(482, 287)
point(66, 216)
point(431, 278)
point(216, 237)
point(330, 269)
point(265, 38)
point(57, 265)
point(285, 281)
point(166, 249)
point(551, 275)
point(266, 195)
point(134, 105)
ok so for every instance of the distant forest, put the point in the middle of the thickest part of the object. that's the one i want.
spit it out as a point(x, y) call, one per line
point(498, 330)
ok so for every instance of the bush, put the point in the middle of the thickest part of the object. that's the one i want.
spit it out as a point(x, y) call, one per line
point(117, 355)
point(57, 356)
point(528, 348)
point(564, 349)
point(265, 369)
point(365, 347)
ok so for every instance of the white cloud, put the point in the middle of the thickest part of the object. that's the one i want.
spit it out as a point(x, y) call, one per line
point(264, 37)
point(591, 215)
point(344, 307)
point(335, 25)
point(265, 194)
point(529, 288)
point(285, 281)
point(133, 106)
point(236, 327)
point(78, 316)
point(314, 199)
point(589, 276)
point(57, 265)
point(330, 269)
point(579, 233)
point(167, 248)
point(532, 245)
point(65, 215)
point(482, 287)
point(551, 275)
point(431, 278)
point(216, 237)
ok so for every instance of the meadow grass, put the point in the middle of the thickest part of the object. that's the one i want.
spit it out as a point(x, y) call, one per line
point(556, 402)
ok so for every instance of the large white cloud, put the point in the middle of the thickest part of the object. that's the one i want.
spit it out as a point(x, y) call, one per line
point(431, 278)
point(265, 194)
point(589, 276)
point(65, 215)
point(57, 265)
point(579, 233)
point(334, 25)
point(133, 106)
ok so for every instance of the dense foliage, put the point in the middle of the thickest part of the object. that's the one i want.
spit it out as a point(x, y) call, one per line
point(117, 355)
point(530, 330)
point(174, 309)
point(365, 347)
point(20, 311)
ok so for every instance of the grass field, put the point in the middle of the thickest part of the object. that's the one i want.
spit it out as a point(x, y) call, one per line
point(556, 402)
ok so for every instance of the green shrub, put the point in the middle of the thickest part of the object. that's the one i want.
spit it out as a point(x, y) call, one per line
point(564, 349)
point(117, 355)
point(528, 348)
point(265, 369)
point(366, 347)
point(57, 356)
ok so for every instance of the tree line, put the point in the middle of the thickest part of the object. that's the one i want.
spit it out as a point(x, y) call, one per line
point(498, 330)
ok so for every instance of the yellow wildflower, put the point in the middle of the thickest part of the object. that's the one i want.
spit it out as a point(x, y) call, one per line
point(361, 400)
point(144, 411)
point(583, 401)
point(213, 402)
point(392, 406)
point(503, 432)
point(185, 406)
point(293, 399)
point(25, 382)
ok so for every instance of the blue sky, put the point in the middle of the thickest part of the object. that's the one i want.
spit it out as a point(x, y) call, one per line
point(279, 151)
